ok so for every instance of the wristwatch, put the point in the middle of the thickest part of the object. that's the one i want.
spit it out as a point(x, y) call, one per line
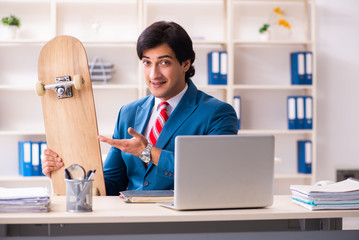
point(145, 156)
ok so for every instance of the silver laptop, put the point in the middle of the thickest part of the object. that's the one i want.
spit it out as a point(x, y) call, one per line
point(226, 171)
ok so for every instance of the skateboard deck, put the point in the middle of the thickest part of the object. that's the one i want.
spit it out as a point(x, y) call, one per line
point(70, 121)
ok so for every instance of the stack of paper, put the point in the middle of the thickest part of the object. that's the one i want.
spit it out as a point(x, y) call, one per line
point(35, 199)
point(340, 195)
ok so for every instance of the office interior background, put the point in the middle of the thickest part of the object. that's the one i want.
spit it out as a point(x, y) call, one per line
point(337, 86)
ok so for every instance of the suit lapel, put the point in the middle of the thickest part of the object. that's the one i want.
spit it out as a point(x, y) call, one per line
point(142, 115)
point(183, 110)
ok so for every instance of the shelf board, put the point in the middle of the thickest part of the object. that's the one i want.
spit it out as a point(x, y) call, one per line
point(23, 41)
point(240, 132)
point(22, 178)
point(275, 132)
point(22, 133)
point(272, 87)
point(270, 43)
point(114, 86)
point(130, 43)
point(208, 42)
point(239, 1)
point(17, 87)
point(212, 87)
point(293, 176)
point(185, 1)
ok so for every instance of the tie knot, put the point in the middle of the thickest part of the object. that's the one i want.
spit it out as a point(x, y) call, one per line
point(163, 105)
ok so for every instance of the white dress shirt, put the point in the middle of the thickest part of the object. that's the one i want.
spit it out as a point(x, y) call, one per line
point(172, 104)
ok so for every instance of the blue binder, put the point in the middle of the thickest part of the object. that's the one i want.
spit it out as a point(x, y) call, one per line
point(223, 63)
point(21, 158)
point(25, 167)
point(291, 112)
point(300, 112)
point(35, 159)
point(43, 146)
point(308, 68)
point(237, 108)
point(305, 156)
point(297, 63)
point(214, 67)
point(308, 116)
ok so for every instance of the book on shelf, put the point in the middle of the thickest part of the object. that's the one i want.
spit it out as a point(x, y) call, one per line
point(147, 196)
point(305, 156)
point(25, 168)
point(300, 112)
point(217, 68)
point(30, 158)
point(339, 195)
point(308, 115)
point(237, 108)
point(301, 68)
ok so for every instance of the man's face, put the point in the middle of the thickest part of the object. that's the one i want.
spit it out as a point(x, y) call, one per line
point(165, 76)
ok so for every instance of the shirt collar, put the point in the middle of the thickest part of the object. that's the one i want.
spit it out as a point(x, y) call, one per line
point(173, 102)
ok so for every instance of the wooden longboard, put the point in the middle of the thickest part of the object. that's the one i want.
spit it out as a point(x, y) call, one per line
point(70, 122)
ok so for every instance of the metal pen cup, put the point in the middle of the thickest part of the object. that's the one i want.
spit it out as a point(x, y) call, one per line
point(78, 195)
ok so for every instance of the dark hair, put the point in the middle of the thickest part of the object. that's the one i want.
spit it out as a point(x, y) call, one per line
point(172, 34)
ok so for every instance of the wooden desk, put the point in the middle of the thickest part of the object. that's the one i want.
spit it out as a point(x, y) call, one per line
point(112, 216)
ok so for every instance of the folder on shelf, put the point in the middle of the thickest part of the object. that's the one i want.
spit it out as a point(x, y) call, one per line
point(304, 152)
point(297, 62)
point(35, 159)
point(308, 116)
point(300, 112)
point(237, 108)
point(291, 112)
point(43, 146)
point(213, 67)
point(223, 68)
point(217, 68)
point(25, 165)
point(308, 68)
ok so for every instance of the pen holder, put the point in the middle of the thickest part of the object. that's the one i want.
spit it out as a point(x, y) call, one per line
point(78, 195)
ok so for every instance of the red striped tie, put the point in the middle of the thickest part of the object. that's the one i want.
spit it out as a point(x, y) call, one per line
point(160, 121)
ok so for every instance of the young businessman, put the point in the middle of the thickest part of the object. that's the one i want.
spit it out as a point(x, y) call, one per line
point(141, 155)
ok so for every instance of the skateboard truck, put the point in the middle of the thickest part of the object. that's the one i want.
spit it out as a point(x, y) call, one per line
point(62, 87)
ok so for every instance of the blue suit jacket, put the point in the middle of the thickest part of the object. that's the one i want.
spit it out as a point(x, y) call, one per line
point(196, 114)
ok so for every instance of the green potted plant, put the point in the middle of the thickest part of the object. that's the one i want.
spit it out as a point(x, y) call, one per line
point(11, 24)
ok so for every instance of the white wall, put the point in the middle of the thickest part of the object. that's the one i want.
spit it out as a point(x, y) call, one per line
point(338, 86)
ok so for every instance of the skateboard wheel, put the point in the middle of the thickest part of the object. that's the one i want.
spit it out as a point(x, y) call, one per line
point(40, 89)
point(78, 82)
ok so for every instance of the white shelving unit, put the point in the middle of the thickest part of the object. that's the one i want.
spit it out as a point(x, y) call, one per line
point(258, 71)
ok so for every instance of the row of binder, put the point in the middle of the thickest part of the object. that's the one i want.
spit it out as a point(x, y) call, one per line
point(30, 158)
point(301, 68)
point(300, 112)
point(305, 155)
point(217, 68)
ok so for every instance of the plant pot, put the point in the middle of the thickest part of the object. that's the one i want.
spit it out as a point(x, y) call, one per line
point(265, 36)
point(9, 32)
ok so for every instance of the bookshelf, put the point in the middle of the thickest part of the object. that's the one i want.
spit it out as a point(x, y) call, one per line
point(258, 71)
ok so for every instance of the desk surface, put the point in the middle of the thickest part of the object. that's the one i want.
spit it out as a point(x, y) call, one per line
point(114, 210)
